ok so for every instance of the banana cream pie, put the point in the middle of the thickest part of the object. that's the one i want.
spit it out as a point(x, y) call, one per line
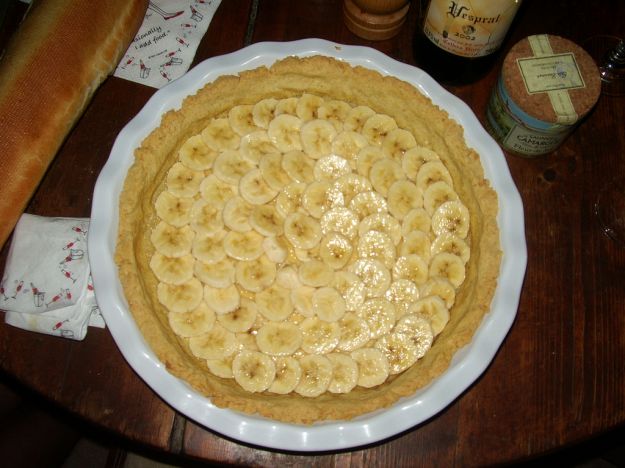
point(310, 241)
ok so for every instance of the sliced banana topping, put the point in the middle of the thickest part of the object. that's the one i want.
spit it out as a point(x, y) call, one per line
point(373, 366)
point(344, 373)
point(253, 370)
point(307, 245)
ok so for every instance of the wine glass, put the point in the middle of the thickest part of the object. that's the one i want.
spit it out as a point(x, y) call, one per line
point(609, 54)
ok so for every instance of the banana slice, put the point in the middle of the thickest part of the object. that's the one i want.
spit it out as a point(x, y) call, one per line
point(348, 145)
point(452, 244)
point(301, 298)
point(441, 287)
point(180, 297)
point(351, 288)
point(403, 196)
point(350, 185)
point(290, 198)
point(400, 351)
point(221, 367)
point(243, 245)
point(217, 192)
point(279, 338)
point(274, 302)
point(288, 373)
point(255, 275)
point(377, 245)
point(287, 106)
point(241, 119)
point(271, 169)
point(315, 273)
point(236, 213)
point(432, 171)
point(335, 250)
point(317, 136)
point(382, 222)
point(434, 309)
point(368, 203)
point(417, 243)
point(218, 275)
point(402, 293)
point(194, 323)
point(437, 194)
point(418, 329)
point(182, 181)
point(328, 304)
point(377, 127)
point(220, 136)
point(379, 314)
point(373, 367)
point(172, 241)
point(384, 173)
point(367, 157)
point(253, 370)
point(254, 189)
point(288, 278)
point(230, 166)
point(222, 300)
point(451, 217)
point(172, 270)
point(354, 332)
point(448, 266)
point(209, 248)
point(217, 343)
point(341, 220)
point(284, 132)
point(298, 166)
point(266, 221)
point(357, 117)
point(344, 373)
point(264, 112)
point(255, 145)
point(416, 220)
point(307, 106)
point(316, 375)
point(335, 112)
point(172, 209)
point(319, 336)
point(276, 249)
point(205, 218)
point(319, 198)
point(196, 155)
point(411, 267)
point(240, 319)
point(414, 158)
point(331, 167)
point(374, 275)
point(397, 142)
point(302, 231)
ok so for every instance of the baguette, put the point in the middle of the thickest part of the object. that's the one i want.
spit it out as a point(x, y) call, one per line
point(56, 60)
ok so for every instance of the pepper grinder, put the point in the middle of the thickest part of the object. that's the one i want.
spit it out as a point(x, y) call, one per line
point(375, 20)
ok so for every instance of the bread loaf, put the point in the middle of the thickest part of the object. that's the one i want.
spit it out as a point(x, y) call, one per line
point(59, 56)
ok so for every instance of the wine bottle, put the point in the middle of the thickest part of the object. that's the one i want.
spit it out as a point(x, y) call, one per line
point(457, 40)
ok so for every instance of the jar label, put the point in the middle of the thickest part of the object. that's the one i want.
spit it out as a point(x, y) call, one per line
point(469, 28)
point(550, 73)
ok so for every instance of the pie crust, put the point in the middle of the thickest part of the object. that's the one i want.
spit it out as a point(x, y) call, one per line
point(329, 79)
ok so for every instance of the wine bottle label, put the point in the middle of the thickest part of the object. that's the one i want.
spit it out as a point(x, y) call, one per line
point(469, 28)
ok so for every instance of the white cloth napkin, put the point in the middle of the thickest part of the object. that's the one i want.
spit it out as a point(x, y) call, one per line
point(165, 45)
point(46, 285)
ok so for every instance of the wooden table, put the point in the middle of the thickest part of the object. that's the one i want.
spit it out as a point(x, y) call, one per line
point(559, 377)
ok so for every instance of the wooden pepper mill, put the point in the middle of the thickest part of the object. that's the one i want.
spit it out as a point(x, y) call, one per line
point(375, 20)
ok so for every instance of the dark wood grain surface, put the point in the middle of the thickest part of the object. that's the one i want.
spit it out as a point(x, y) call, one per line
point(559, 377)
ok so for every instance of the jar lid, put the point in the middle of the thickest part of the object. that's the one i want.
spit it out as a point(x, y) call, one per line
point(551, 79)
